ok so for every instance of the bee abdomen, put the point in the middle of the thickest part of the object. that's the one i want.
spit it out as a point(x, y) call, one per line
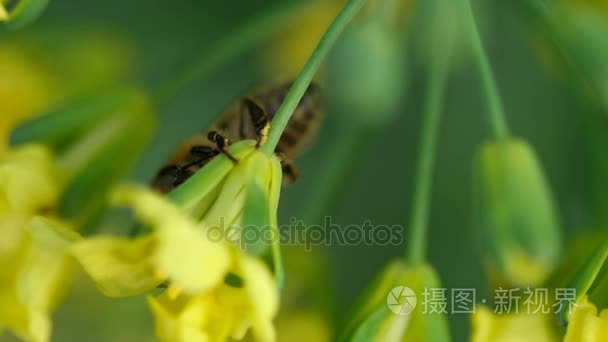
point(173, 175)
point(170, 177)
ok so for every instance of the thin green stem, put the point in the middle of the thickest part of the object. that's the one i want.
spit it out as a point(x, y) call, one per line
point(419, 214)
point(495, 108)
point(299, 86)
point(243, 39)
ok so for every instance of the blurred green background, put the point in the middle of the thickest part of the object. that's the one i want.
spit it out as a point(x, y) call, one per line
point(157, 39)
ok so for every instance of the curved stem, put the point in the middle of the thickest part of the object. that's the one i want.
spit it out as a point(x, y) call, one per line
point(299, 86)
point(419, 214)
point(495, 108)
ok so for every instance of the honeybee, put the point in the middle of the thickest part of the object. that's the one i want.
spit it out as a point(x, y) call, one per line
point(248, 118)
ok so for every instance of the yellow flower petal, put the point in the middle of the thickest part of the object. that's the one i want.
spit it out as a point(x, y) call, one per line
point(52, 234)
point(149, 206)
point(3, 13)
point(28, 181)
point(224, 312)
point(119, 266)
point(12, 241)
point(40, 279)
point(490, 327)
point(48, 267)
point(263, 295)
point(185, 254)
point(170, 327)
point(584, 324)
point(190, 259)
point(43, 281)
point(13, 315)
point(35, 268)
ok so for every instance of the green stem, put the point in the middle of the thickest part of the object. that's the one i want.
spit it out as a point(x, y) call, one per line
point(419, 214)
point(299, 86)
point(495, 108)
point(245, 38)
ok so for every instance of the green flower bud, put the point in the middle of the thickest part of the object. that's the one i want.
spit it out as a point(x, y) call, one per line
point(374, 320)
point(520, 233)
point(365, 73)
point(443, 32)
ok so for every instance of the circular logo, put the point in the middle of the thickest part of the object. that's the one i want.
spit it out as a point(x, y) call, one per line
point(401, 300)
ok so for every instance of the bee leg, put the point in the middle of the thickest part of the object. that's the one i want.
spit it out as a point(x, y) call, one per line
point(259, 119)
point(203, 153)
point(222, 144)
point(290, 170)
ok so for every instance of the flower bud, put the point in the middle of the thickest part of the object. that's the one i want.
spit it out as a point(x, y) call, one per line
point(515, 213)
point(443, 32)
point(374, 318)
point(365, 73)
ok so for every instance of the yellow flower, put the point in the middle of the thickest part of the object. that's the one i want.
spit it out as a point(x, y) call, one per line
point(35, 268)
point(35, 261)
point(28, 180)
point(585, 325)
point(226, 311)
point(201, 302)
point(491, 327)
point(3, 13)
point(122, 266)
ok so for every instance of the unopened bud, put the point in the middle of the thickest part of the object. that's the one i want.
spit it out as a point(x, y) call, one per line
point(388, 310)
point(365, 73)
point(515, 213)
